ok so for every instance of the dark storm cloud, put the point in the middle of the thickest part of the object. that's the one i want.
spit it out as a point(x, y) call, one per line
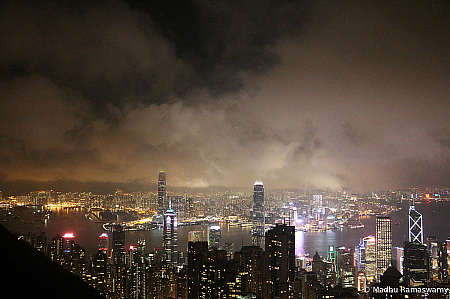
point(222, 38)
point(298, 94)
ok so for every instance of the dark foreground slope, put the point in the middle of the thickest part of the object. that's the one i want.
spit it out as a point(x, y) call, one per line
point(27, 273)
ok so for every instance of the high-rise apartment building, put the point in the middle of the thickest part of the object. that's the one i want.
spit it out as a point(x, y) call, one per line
point(258, 213)
point(209, 275)
point(162, 200)
point(197, 257)
point(280, 256)
point(383, 240)
point(250, 261)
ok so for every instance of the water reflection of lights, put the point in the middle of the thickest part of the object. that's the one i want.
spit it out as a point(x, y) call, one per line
point(299, 243)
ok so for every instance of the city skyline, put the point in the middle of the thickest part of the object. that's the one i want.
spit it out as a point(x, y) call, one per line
point(133, 262)
point(298, 94)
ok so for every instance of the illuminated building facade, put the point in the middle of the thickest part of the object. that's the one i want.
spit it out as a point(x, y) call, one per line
point(366, 258)
point(68, 242)
point(332, 260)
point(103, 242)
point(196, 236)
point(397, 258)
point(214, 236)
point(433, 247)
point(197, 257)
point(189, 209)
point(100, 264)
point(162, 200)
point(415, 225)
point(318, 206)
point(170, 237)
point(258, 230)
point(347, 271)
point(280, 256)
point(383, 240)
point(178, 206)
point(250, 261)
point(443, 273)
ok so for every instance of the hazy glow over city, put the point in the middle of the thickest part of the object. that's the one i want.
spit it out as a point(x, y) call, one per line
point(295, 93)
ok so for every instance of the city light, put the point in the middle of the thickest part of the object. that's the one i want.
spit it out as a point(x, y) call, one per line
point(68, 236)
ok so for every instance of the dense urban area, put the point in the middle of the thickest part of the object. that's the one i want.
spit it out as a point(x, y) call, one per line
point(269, 268)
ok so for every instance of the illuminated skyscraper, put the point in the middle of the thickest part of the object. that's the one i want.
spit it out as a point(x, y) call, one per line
point(103, 242)
point(347, 271)
point(99, 264)
point(162, 200)
point(68, 242)
point(397, 258)
point(318, 206)
point(197, 257)
point(170, 237)
point(214, 236)
point(366, 257)
point(280, 257)
point(251, 265)
point(258, 230)
point(383, 244)
point(415, 225)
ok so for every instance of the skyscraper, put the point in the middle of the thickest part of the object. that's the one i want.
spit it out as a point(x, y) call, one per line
point(162, 200)
point(118, 246)
point(118, 270)
point(258, 230)
point(415, 264)
point(103, 242)
point(280, 253)
point(415, 225)
point(433, 247)
point(68, 242)
point(250, 261)
point(170, 237)
point(383, 240)
point(197, 257)
point(100, 264)
point(214, 236)
point(346, 267)
point(366, 257)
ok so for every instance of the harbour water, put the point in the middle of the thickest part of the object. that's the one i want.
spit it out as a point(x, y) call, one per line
point(435, 219)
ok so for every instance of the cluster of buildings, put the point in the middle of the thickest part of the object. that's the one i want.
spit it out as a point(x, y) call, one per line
point(267, 269)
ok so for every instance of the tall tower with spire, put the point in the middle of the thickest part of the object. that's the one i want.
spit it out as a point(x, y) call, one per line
point(258, 214)
point(415, 224)
point(170, 237)
point(162, 200)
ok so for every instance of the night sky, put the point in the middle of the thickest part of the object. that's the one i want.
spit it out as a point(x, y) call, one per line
point(298, 94)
